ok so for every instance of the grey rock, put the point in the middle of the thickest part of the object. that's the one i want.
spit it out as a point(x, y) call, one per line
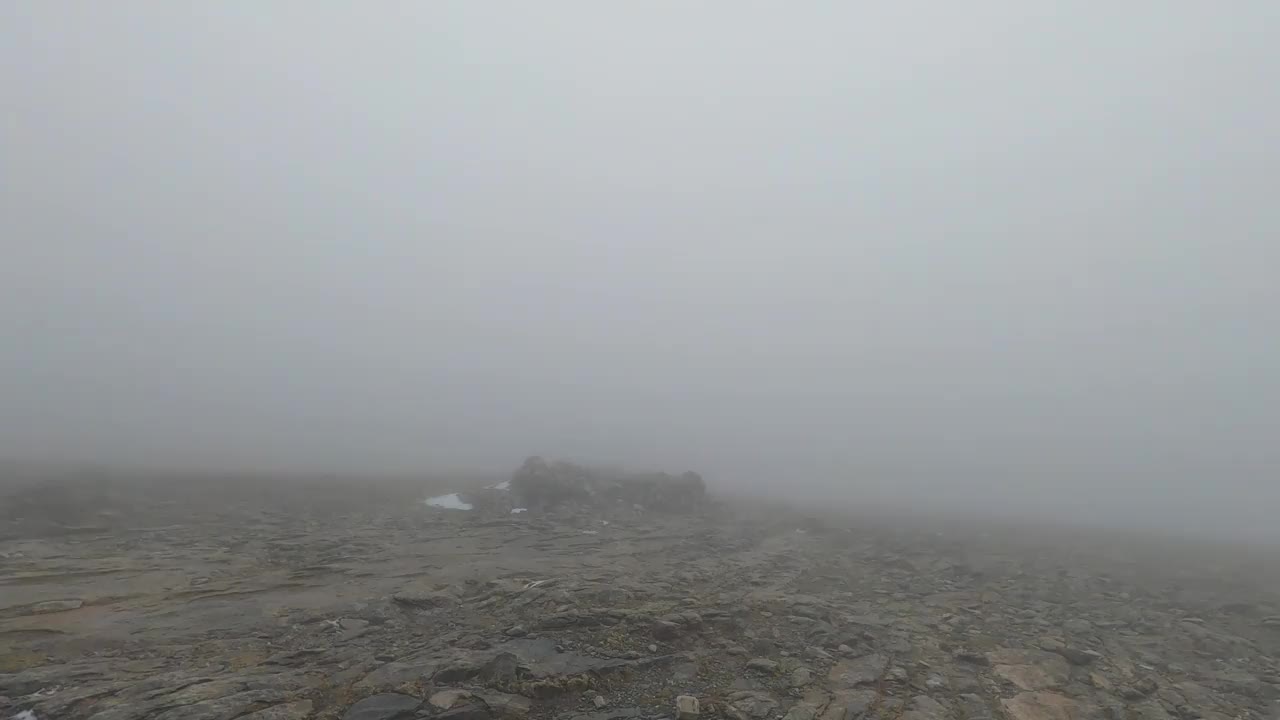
point(801, 711)
point(800, 677)
point(457, 670)
point(973, 707)
point(298, 710)
point(470, 711)
point(621, 713)
point(599, 702)
point(501, 670)
point(752, 704)
point(386, 706)
point(762, 665)
point(923, 707)
point(394, 674)
point(353, 628)
point(228, 706)
point(1077, 656)
point(858, 671)
point(423, 598)
point(971, 656)
point(504, 705)
point(666, 629)
point(1140, 689)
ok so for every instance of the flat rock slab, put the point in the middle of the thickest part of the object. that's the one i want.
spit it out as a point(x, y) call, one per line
point(859, 671)
point(387, 706)
point(1031, 669)
point(1042, 706)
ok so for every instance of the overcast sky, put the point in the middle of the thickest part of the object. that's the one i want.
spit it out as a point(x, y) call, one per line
point(1012, 252)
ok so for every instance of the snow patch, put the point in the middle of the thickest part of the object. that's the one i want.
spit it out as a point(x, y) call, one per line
point(504, 485)
point(448, 502)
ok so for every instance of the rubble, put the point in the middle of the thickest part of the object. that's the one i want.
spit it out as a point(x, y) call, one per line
point(383, 611)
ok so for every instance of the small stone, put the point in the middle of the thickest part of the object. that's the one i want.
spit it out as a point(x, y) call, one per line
point(353, 628)
point(599, 702)
point(736, 650)
point(515, 631)
point(1076, 656)
point(764, 665)
point(844, 650)
point(386, 706)
point(801, 677)
point(935, 682)
point(653, 648)
point(814, 652)
point(687, 707)
point(53, 606)
point(666, 629)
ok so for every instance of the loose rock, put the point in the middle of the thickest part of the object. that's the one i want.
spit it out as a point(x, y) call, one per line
point(687, 707)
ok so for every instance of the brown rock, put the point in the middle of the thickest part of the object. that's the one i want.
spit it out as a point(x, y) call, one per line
point(446, 699)
point(1031, 669)
point(1042, 706)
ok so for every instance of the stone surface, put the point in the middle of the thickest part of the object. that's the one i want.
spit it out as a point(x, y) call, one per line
point(311, 603)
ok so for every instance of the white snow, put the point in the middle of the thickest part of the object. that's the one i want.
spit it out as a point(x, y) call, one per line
point(25, 715)
point(519, 510)
point(504, 485)
point(448, 502)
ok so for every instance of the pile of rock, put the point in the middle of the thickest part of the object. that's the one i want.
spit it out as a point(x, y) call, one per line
point(542, 484)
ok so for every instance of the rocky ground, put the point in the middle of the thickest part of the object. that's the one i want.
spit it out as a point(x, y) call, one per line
point(296, 601)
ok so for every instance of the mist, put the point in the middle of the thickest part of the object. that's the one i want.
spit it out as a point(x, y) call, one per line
point(1002, 256)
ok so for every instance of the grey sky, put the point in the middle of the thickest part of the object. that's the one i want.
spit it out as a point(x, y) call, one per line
point(1013, 251)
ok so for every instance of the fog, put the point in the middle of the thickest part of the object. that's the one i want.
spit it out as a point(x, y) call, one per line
point(1015, 257)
